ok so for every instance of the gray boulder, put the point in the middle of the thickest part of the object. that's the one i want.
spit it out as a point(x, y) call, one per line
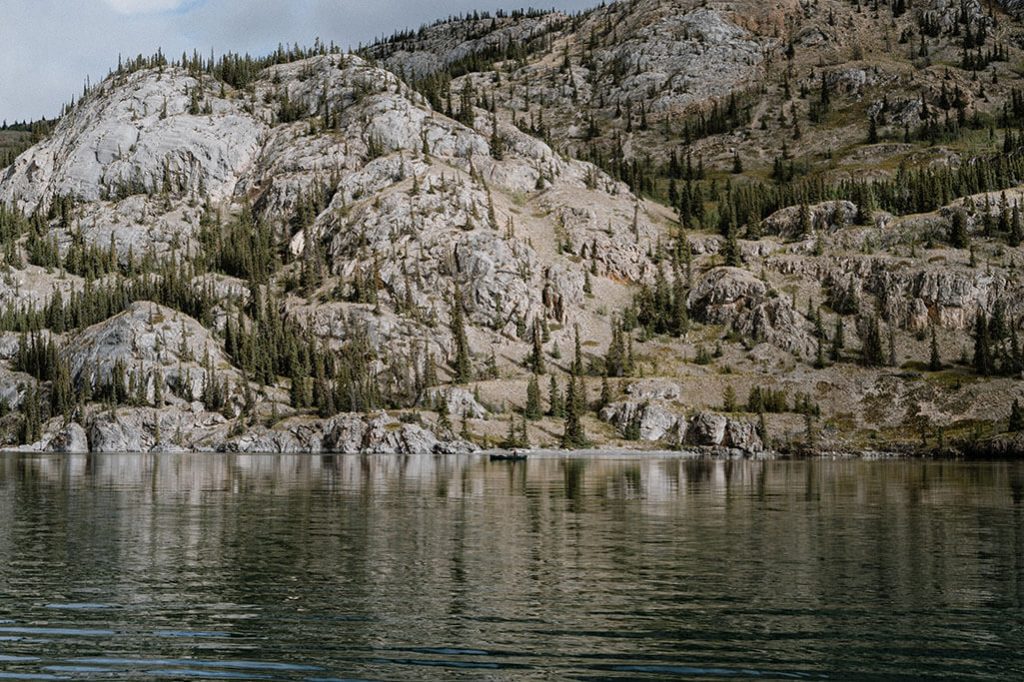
point(69, 439)
point(742, 435)
point(653, 421)
point(707, 429)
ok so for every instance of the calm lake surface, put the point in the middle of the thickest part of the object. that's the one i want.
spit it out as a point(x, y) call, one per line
point(392, 568)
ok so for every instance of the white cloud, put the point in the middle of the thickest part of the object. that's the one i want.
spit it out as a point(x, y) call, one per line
point(144, 6)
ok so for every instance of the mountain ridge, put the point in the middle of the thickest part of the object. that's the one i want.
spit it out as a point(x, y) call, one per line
point(345, 242)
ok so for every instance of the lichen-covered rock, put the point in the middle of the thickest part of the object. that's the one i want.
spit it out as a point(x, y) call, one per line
point(120, 433)
point(34, 286)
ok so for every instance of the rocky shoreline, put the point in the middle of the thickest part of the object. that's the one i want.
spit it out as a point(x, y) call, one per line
point(135, 431)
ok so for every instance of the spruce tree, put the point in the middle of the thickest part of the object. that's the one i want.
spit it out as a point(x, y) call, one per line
point(729, 399)
point(533, 409)
point(872, 354)
point(958, 230)
point(573, 436)
point(737, 163)
point(556, 408)
point(838, 340)
point(982, 346)
point(731, 249)
point(935, 362)
point(606, 392)
point(1016, 417)
point(804, 225)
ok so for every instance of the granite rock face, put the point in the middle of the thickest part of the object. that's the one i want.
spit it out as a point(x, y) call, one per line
point(653, 412)
point(738, 299)
point(461, 403)
point(149, 345)
point(69, 439)
point(828, 216)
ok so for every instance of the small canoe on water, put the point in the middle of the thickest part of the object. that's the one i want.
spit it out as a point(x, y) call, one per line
point(510, 456)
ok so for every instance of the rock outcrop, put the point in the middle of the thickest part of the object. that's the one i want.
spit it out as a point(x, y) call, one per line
point(148, 345)
point(654, 412)
point(348, 434)
point(737, 299)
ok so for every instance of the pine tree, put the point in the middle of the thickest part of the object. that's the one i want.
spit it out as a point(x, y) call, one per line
point(556, 408)
point(606, 392)
point(31, 421)
point(680, 315)
point(533, 410)
point(524, 435)
point(512, 437)
point(615, 358)
point(958, 230)
point(982, 346)
point(577, 360)
point(573, 436)
point(1016, 361)
point(62, 399)
point(1016, 227)
point(737, 163)
point(892, 346)
point(838, 341)
point(935, 362)
point(444, 420)
point(729, 399)
point(804, 226)
point(819, 358)
point(1016, 417)
point(762, 429)
point(731, 249)
point(872, 354)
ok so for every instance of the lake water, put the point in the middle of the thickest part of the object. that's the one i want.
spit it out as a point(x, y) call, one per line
point(393, 568)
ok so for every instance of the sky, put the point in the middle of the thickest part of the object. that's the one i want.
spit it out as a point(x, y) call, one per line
point(49, 47)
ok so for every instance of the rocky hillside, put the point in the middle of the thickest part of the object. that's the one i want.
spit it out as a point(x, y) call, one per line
point(660, 223)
